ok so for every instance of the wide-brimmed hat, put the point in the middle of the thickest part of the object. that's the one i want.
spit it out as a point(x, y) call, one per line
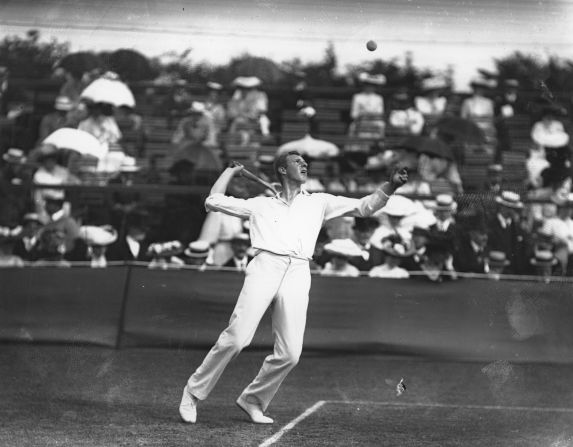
point(543, 258)
point(63, 103)
point(247, 82)
point(129, 164)
point(211, 85)
point(170, 248)
point(55, 195)
point(14, 156)
point(399, 206)
point(509, 199)
point(481, 82)
point(444, 202)
point(197, 107)
point(398, 249)
point(32, 217)
point(497, 258)
point(241, 237)
point(434, 84)
point(554, 139)
point(366, 78)
point(101, 236)
point(343, 247)
point(197, 249)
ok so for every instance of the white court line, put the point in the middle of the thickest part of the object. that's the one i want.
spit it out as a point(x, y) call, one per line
point(454, 406)
point(306, 413)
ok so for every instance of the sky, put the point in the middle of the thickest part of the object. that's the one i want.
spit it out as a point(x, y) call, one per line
point(466, 34)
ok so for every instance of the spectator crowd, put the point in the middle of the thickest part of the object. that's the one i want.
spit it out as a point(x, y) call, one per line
point(432, 229)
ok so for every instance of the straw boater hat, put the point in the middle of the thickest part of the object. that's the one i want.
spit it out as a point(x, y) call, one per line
point(214, 86)
point(444, 202)
point(14, 156)
point(32, 217)
point(247, 82)
point(170, 248)
point(509, 199)
point(129, 164)
point(101, 236)
point(543, 258)
point(241, 237)
point(343, 247)
point(63, 103)
point(197, 107)
point(398, 249)
point(197, 249)
point(497, 258)
point(495, 168)
point(431, 84)
point(366, 78)
point(399, 206)
point(56, 195)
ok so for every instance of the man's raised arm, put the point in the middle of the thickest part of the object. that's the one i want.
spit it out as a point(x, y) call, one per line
point(220, 186)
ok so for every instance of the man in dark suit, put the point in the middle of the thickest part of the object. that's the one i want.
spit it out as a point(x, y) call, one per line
point(470, 255)
point(505, 232)
point(362, 231)
point(240, 245)
point(133, 244)
point(444, 229)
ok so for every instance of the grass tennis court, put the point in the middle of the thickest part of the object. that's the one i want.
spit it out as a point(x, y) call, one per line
point(87, 396)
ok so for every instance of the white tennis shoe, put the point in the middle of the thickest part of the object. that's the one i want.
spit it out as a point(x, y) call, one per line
point(188, 407)
point(253, 411)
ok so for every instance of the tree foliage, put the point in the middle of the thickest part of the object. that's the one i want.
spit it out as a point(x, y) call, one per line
point(29, 56)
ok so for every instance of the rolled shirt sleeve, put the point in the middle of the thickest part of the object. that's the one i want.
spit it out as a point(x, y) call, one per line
point(233, 206)
point(338, 206)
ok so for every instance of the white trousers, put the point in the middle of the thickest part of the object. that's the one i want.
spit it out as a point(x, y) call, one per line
point(283, 282)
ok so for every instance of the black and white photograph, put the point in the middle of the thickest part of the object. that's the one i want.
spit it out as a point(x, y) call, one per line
point(264, 223)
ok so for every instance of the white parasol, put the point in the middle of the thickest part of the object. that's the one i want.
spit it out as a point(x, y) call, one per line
point(111, 91)
point(76, 140)
point(311, 147)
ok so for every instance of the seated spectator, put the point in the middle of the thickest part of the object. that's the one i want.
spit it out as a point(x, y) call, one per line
point(121, 203)
point(557, 226)
point(470, 255)
point(341, 250)
point(432, 102)
point(367, 115)
point(97, 239)
point(132, 244)
point(404, 118)
point(496, 262)
point(544, 263)
point(177, 103)
point(57, 119)
point(164, 255)
point(509, 103)
point(506, 232)
point(52, 248)
point(549, 131)
point(247, 110)
point(133, 134)
point(196, 254)
point(480, 109)
point(15, 169)
point(362, 231)
point(58, 219)
point(395, 251)
point(420, 239)
point(26, 245)
point(494, 180)
point(444, 228)
point(437, 263)
point(50, 172)
point(240, 244)
point(216, 109)
point(101, 124)
point(190, 140)
point(7, 256)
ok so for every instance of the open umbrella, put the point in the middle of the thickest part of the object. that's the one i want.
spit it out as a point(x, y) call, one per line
point(310, 147)
point(111, 91)
point(427, 145)
point(76, 140)
point(130, 65)
point(460, 130)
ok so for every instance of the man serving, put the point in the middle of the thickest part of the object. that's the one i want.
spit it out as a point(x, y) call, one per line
point(283, 231)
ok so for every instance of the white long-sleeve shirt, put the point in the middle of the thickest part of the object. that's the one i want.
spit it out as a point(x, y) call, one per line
point(292, 230)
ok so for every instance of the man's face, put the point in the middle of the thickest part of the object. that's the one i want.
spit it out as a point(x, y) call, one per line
point(339, 262)
point(509, 213)
point(443, 215)
point(296, 168)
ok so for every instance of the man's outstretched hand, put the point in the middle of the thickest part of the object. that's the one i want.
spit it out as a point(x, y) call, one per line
point(398, 177)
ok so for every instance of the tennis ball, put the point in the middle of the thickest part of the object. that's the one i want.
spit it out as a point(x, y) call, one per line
point(371, 45)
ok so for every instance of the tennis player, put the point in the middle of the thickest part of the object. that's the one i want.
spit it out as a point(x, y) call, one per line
point(283, 231)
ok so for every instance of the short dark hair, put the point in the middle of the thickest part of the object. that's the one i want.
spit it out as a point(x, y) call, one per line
point(280, 162)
